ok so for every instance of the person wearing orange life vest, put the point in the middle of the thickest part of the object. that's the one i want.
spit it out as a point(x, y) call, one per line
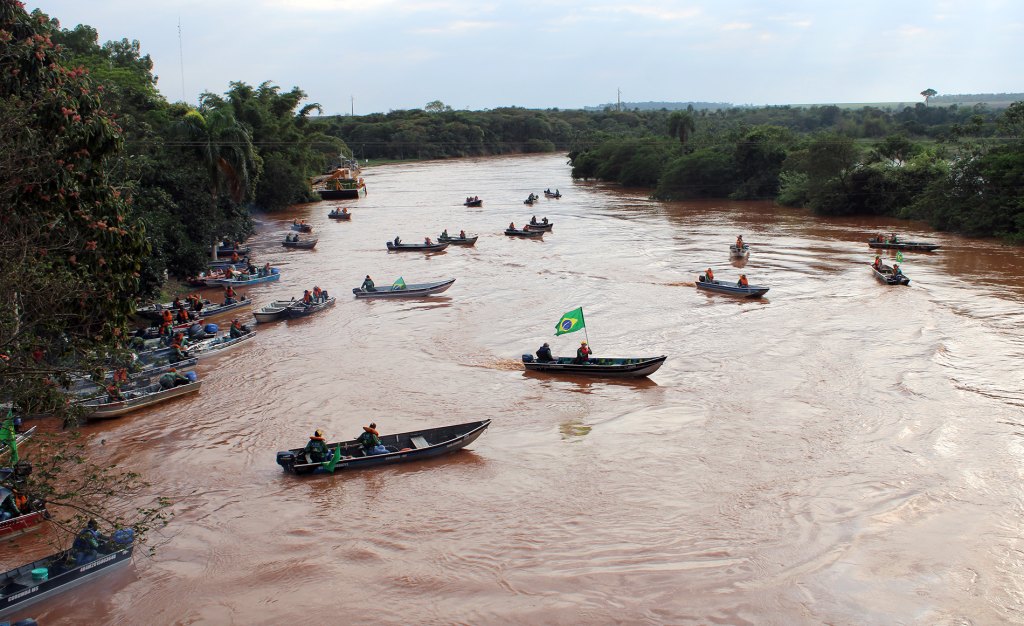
point(742, 282)
point(182, 317)
point(316, 293)
point(236, 329)
point(114, 393)
point(370, 440)
point(166, 316)
point(710, 275)
point(229, 294)
point(316, 448)
point(177, 302)
point(739, 242)
point(878, 263)
point(307, 298)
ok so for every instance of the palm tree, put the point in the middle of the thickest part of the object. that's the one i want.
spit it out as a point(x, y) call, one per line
point(681, 124)
point(226, 149)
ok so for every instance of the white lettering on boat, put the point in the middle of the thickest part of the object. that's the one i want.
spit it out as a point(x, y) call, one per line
point(27, 592)
point(97, 563)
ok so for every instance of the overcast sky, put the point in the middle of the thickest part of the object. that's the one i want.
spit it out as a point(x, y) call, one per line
point(401, 54)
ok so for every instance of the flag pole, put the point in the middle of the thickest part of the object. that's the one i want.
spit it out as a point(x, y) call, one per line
point(585, 333)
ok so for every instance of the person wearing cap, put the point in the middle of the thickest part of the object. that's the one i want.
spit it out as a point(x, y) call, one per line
point(316, 449)
point(544, 354)
point(583, 353)
point(896, 271)
point(370, 440)
point(87, 543)
point(368, 284)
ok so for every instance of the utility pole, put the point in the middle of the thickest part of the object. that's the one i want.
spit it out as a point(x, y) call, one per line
point(618, 101)
point(181, 60)
point(353, 106)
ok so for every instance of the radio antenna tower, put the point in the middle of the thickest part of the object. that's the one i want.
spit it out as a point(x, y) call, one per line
point(618, 101)
point(181, 60)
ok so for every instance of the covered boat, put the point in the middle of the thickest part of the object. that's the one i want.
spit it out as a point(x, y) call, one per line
point(885, 274)
point(409, 291)
point(59, 572)
point(300, 309)
point(31, 513)
point(307, 244)
point(896, 244)
point(533, 234)
point(102, 408)
point(750, 291)
point(458, 241)
point(416, 247)
point(632, 367)
point(276, 310)
point(338, 215)
point(410, 446)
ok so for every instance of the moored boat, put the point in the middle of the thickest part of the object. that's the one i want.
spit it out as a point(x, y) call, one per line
point(307, 244)
point(912, 246)
point(532, 234)
point(885, 274)
point(241, 280)
point(31, 513)
point(19, 439)
point(209, 309)
point(300, 309)
point(408, 291)
point(632, 367)
point(409, 446)
point(458, 241)
point(220, 344)
point(139, 378)
point(416, 247)
point(102, 408)
point(276, 310)
point(749, 291)
point(56, 573)
point(343, 183)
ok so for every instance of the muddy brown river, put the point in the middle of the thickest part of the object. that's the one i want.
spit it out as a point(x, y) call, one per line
point(837, 452)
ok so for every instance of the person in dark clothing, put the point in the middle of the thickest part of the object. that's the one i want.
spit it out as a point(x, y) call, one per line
point(544, 354)
point(583, 353)
point(368, 284)
point(316, 449)
point(370, 440)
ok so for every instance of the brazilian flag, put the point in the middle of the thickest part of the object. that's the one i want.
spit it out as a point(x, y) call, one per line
point(570, 322)
point(399, 284)
point(329, 465)
point(899, 256)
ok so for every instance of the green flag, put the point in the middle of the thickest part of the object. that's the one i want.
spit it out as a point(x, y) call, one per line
point(899, 256)
point(329, 465)
point(399, 284)
point(9, 436)
point(570, 322)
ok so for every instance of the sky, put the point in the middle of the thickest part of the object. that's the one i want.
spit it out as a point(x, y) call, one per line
point(381, 55)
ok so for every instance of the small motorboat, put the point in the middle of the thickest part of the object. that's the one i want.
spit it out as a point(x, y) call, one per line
point(32, 513)
point(458, 241)
point(475, 202)
point(241, 280)
point(885, 274)
point(220, 344)
point(29, 583)
point(548, 194)
point(541, 225)
point(532, 234)
point(408, 291)
point(896, 244)
point(417, 247)
point(300, 309)
point(103, 408)
point(410, 446)
point(274, 311)
point(739, 253)
point(306, 244)
point(631, 367)
point(227, 251)
point(338, 215)
point(302, 227)
point(750, 291)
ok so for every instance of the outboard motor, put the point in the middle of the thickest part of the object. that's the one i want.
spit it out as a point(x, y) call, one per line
point(527, 358)
point(195, 330)
point(286, 459)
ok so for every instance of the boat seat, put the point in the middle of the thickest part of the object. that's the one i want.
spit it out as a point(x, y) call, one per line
point(419, 442)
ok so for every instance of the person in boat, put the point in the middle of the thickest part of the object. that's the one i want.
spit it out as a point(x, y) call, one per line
point(316, 448)
point(229, 295)
point(709, 275)
point(166, 316)
point(266, 269)
point(173, 379)
point(87, 543)
point(557, 192)
point(178, 353)
point(742, 282)
point(198, 306)
point(236, 330)
point(545, 220)
point(462, 234)
point(183, 317)
point(877, 264)
point(317, 294)
point(444, 235)
point(544, 354)
point(511, 225)
point(234, 257)
point(892, 238)
point(583, 353)
point(896, 271)
point(548, 190)
point(166, 333)
point(177, 302)
point(427, 241)
point(533, 220)
point(370, 440)
point(398, 240)
point(368, 284)
point(344, 211)
point(526, 228)
point(739, 242)
point(307, 298)
point(114, 393)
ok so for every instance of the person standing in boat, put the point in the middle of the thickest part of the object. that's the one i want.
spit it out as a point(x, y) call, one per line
point(370, 440)
point(368, 284)
point(316, 449)
point(583, 353)
point(739, 242)
point(544, 354)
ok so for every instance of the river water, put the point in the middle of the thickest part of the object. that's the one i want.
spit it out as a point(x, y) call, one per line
point(839, 451)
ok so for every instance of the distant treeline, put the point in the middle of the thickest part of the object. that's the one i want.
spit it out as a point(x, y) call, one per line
point(960, 168)
point(659, 106)
point(971, 98)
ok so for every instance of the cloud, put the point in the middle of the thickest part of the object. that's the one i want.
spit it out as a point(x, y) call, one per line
point(400, 7)
point(657, 13)
point(737, 26)
point(460, 26)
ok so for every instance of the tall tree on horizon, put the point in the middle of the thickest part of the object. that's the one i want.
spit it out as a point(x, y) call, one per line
point(928, 93)
point(681, 124)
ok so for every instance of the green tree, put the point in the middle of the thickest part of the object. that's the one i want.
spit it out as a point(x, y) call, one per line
point(928, 93)
point(436, 106)
point(681, 124)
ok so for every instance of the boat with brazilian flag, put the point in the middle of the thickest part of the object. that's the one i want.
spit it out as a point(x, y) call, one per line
point(583, 363)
